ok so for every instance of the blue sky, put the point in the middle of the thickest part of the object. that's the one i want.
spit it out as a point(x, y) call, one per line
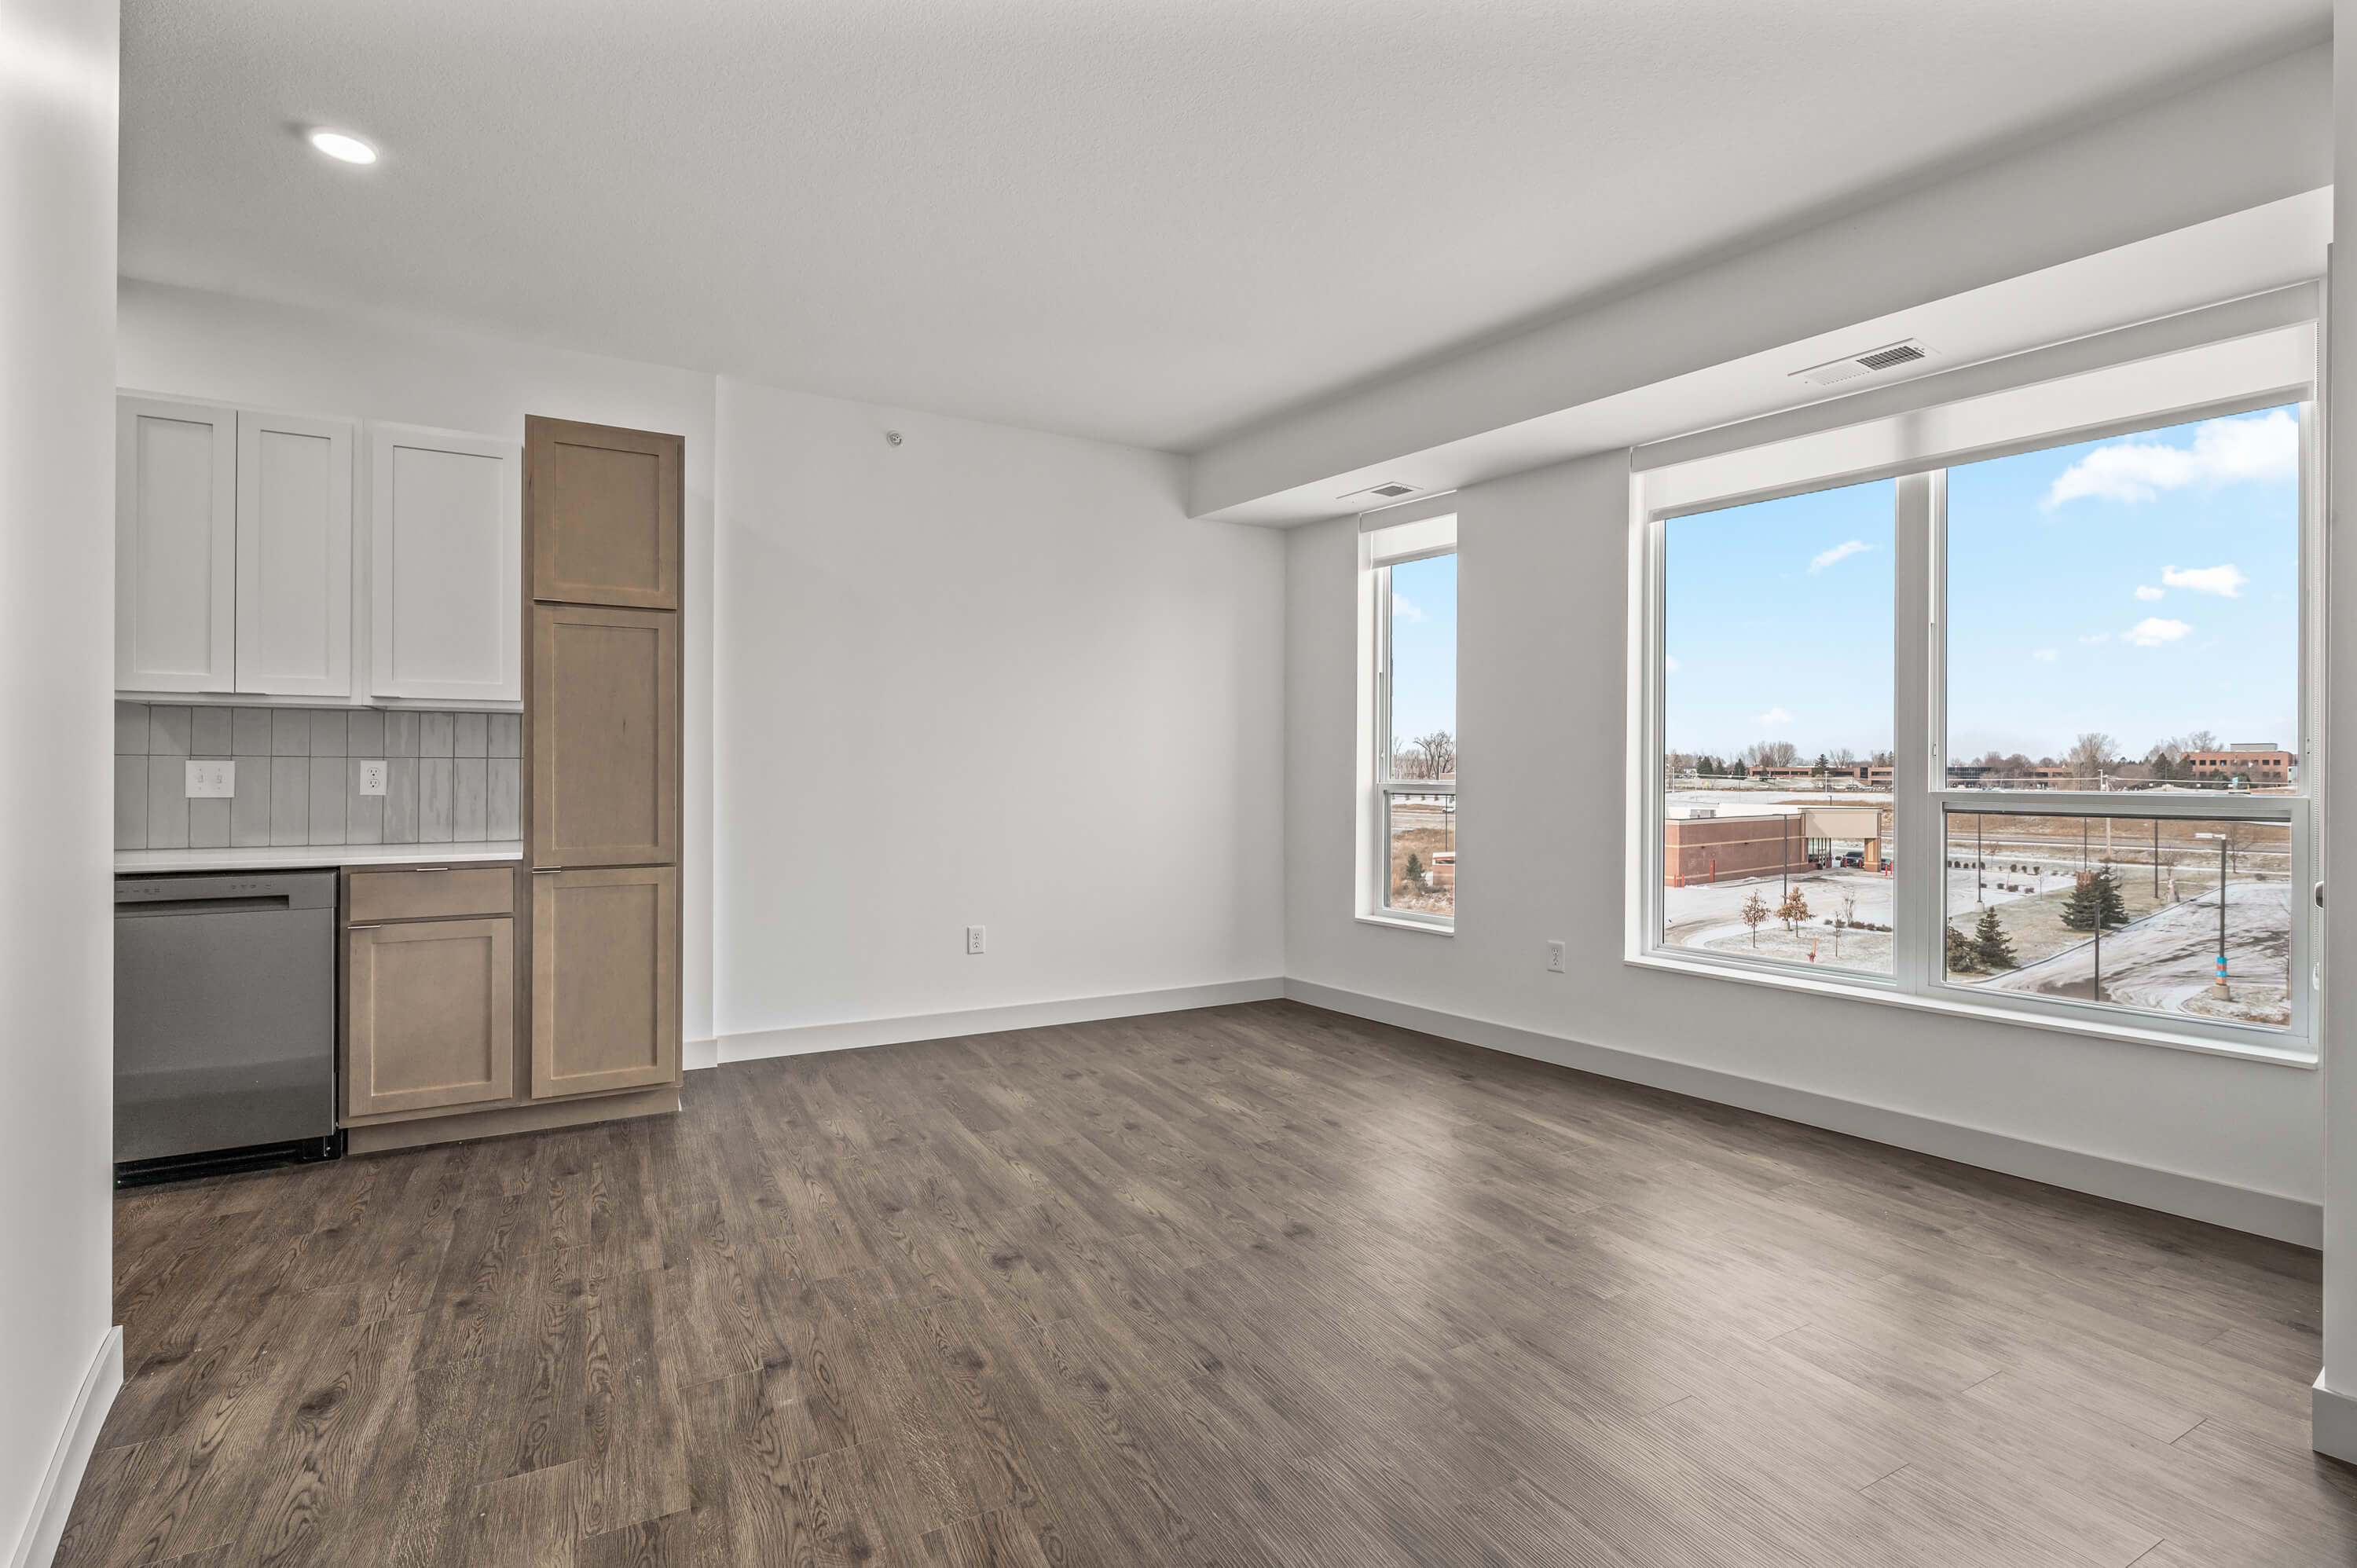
point(1424, 647)
point(2145, 586)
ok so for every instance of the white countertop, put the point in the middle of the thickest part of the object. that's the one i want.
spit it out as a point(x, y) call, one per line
point(291, 857)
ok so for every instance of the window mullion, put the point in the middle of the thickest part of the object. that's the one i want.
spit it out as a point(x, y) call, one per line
point(1917, 948)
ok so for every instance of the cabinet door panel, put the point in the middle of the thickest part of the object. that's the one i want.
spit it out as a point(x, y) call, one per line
point(430, 1010)
point(605, 507)
point(604, 736)
point(175, 547)
point(294, 556)
point(446, 557)
point(605, 980)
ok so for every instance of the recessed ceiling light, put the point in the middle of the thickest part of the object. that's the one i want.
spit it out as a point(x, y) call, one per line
point(347, 149)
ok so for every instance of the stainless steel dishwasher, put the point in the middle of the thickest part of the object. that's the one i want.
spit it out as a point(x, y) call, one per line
point(224, 1022)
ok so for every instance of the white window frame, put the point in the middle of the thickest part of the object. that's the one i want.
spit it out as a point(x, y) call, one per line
point(1434, 524)
point(1919, 798)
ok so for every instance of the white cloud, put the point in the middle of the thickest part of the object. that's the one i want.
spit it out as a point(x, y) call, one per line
point(1403, 610)
point(1670, 663)
point(2227, 581)
point(2098, 636)
point(2261, 446)
point(2147, 592)
point(1842, 551)
point(2152, 631)
point(1774, 716)
point(2046, 654)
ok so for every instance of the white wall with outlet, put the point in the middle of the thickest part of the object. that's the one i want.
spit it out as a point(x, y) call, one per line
point(218, 348)
point(998, 728)
point(1543, 712)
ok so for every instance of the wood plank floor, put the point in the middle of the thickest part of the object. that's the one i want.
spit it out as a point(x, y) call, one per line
point(1257, 1285)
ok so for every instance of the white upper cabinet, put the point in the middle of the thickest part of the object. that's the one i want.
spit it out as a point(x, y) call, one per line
point(175, 547)
point(444, 565)
point(294, 556)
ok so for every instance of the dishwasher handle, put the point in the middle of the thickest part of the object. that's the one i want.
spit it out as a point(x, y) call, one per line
point(202, 905)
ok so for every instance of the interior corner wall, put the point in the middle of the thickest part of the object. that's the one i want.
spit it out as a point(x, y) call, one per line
point(1543, 716)
point(983, 677)
point(58, 116)
point(290, 360)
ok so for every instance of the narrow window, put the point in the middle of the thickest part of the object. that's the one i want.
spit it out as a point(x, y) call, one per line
point(1409, 805)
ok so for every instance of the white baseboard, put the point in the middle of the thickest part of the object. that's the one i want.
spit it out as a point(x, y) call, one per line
point(695, 1054)
point(2333, 1424)
point(47, 1525)
point(2172, 1192)
point(759, 1044)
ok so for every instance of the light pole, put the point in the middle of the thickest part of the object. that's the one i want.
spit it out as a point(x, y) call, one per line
point(1977, 888)
point(2219, 991)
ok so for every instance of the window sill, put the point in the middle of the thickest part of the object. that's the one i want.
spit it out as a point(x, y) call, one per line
point(1401, 923)
point(2291, 1056)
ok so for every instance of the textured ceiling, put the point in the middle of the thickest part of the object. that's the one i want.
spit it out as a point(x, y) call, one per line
point(1151, 221)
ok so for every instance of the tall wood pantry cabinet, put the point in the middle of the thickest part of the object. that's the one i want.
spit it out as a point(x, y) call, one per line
point(601, 816)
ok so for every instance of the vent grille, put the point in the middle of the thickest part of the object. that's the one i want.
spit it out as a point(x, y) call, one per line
point(1389, 490)
point(1897, 354)
point(1890, 356)
point(1393, 490)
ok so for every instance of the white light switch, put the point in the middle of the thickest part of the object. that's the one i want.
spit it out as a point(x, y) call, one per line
point(212, 780)
point(373, 778)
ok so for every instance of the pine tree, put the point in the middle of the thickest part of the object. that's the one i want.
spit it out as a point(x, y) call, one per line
point(1754, 914)
point(1414, 876)
point(2097, 897)
point(1991, 947)
point(1961, 960)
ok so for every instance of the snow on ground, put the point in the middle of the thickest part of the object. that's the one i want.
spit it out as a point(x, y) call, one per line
point(1705, 914)
point(2166, 963)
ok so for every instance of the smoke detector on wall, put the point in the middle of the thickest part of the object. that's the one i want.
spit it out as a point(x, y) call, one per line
point(1381, 495)
point(1873, 362)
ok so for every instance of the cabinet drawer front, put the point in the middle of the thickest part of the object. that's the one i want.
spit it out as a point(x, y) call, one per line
point(430, 894)
point(430, 1016)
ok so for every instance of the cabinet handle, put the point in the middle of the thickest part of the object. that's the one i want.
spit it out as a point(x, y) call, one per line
point(421, 870)
point(546, 870)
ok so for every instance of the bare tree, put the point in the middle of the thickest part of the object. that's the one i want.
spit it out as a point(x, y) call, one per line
point(2196, 740)
point(2091, 753)
point(1793, 911)
point(1771, 754)
point(1842, 757)
point(1436, 753)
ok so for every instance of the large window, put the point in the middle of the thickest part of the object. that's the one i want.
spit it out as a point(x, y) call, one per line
point(2025, 731)
point(1409, 802)
point(1777, 716)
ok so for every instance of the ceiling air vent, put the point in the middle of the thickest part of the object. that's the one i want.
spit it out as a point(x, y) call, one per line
point(1890, 356)
point(1389, 490)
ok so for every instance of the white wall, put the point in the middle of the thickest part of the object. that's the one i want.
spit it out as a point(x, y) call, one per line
point(1543, 708)
point(289, 359)
point(2335, 1429)
point(987, 677)
point(57, 620)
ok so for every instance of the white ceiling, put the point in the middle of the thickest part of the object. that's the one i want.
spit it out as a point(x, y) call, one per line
point(1154, 221)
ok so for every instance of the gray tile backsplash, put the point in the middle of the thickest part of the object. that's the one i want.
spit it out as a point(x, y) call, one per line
point(449, 777)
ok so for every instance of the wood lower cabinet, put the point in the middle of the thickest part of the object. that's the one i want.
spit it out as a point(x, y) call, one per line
point(429, 1015)
point(605, 979)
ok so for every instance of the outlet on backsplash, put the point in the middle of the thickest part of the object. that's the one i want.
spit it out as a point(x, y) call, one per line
point(304, 776)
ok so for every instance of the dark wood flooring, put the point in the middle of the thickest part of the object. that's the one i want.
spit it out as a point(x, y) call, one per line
point(1257, 1285)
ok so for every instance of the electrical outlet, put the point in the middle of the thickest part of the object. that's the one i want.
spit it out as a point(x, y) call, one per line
point(977, 939)
point(1555, 958)
point(212, 780)
point(372, 777)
